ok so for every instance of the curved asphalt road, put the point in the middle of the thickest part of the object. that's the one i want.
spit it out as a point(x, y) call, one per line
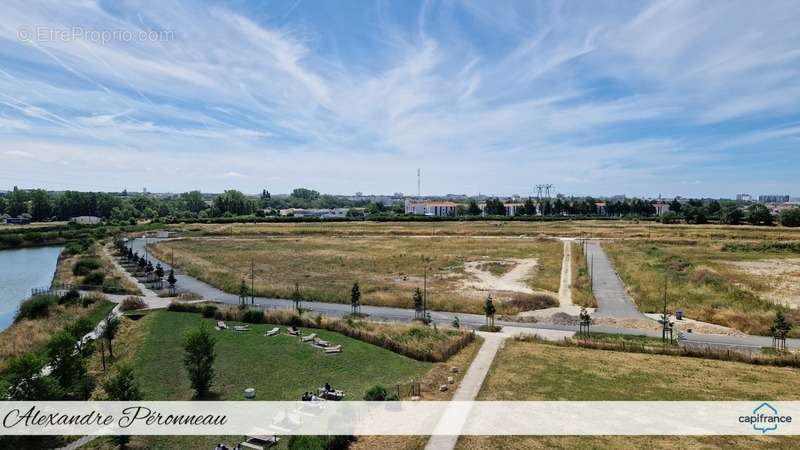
point(442, 317)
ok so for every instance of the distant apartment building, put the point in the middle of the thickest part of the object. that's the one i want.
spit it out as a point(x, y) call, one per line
point(86, 220)
point(431, 208)
point(661, 208)
point(18, 221)
point(744, 198)
point(332, 213)
point(773, 198)
point(512, 209)
point(601, 208)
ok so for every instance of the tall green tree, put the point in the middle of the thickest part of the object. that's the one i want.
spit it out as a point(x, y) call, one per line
point(296, 297)
point(16, 203)
point(233, 202)
point(25, 382)
point(473, 209)
point(489, 310)
point(67, 364)
point(790, 217)
point(264, 200)
point(529, 208)
point(172, 280)
point(418, 305)
point(730, 214)
point(123, 387)
point(41, 206)
point(110, 331)
point(355, 298)
point(759, 214)
point(193, 201)
point(198, 359)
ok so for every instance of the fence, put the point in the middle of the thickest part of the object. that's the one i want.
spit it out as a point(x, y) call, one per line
point(407, 390)
point(61, 289)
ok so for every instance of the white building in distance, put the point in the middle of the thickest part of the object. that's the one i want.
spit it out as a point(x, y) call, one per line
point(661, 208)
point(431, 208)
point(86, 220)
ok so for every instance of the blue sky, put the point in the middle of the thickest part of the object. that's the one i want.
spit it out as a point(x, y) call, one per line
point(680, 98)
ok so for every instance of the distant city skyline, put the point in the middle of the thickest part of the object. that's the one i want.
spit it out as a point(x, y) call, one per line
point(691, 99)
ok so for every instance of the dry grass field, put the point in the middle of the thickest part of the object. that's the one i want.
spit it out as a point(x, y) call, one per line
point(113, 278)
point(530, 371)
point(606, 229)
point(581, 286)
point(387, 268)
point(29, 335)
point(737, 287)
point(720, 282)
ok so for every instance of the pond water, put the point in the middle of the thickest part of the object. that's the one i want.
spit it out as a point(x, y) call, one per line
point(20, 270)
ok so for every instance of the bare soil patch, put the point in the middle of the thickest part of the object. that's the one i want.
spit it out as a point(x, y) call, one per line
point(781, 279)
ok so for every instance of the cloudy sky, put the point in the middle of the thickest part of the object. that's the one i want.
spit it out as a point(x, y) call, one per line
point(679, 98)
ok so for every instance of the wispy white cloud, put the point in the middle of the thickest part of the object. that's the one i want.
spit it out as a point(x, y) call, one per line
point(630, 97)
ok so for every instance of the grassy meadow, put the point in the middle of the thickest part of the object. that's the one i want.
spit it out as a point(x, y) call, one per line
point(387, 268)
point(531, 371)
point(279, 367)
point(607, 229)
point(701, 280)
point(581, 285)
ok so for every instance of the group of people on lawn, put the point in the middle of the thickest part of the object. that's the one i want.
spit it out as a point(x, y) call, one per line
point(311, 397)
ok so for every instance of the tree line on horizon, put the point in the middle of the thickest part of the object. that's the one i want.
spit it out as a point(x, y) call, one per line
point(41, 205)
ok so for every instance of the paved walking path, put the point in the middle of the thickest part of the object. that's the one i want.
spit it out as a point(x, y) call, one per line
point(473, 380)
point(612, 299)
point(468, 389)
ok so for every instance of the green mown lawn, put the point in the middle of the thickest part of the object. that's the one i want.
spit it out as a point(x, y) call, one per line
point(279, 367)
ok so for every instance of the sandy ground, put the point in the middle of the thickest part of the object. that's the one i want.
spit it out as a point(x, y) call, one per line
point(511, 281)
point(781, 275)
point(565, 305)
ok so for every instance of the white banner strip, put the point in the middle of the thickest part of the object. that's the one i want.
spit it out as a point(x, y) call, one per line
point(400, 418)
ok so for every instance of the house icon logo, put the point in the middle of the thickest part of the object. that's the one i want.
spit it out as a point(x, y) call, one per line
point(765, 418)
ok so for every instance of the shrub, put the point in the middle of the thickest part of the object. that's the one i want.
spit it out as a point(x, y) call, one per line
point(320, 442)
point(87, 300)
point(111, 286)
point(379, 393)
point(11, 240)
point(489, 328)
point(209, 311)
point(74, 248)
point(85, 265)
point(790, 217)
point(184, 307)
point(94, 278)
point(528, 302)
point(71, 297)
point(253, 316)
point(132, 303)
point(35, 307)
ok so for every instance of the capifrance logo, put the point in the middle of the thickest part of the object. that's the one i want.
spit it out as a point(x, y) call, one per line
point(765, 418)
